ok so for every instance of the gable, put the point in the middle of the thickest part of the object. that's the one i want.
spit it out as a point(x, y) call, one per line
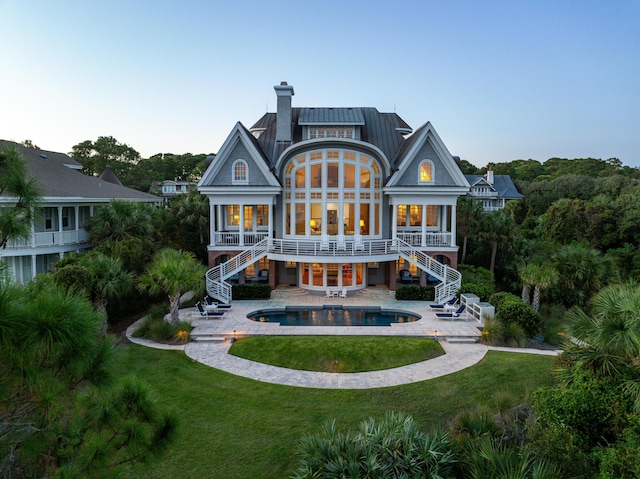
point(410, 173)
point(239, 145)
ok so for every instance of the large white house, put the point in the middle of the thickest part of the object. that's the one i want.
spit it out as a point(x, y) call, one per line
point(332, 199)
point(69, 199)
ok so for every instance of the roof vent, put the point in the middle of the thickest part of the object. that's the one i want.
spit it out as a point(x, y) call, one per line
point(42, 155)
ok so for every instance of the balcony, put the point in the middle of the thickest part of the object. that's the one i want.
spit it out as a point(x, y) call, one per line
point(50, 238)
point(431, 240)
point(231, 239)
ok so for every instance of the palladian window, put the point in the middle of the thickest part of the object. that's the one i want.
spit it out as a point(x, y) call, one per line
point(333, 192)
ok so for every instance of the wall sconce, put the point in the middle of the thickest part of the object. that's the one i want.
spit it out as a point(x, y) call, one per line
point(361, 223)
point(313, 224)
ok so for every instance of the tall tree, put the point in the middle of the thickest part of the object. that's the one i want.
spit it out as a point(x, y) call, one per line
point(15, 182)
point(538, 276)
point(105, 151)
point(173, 273)
point(469, 213)
point(497, 228)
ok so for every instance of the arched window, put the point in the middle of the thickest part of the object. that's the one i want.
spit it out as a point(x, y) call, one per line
point(426, 171)
point(240, 172)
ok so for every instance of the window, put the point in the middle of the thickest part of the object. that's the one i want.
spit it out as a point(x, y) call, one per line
point(240, 172)
point(426, 171)
point(331, 132)
point(233, 215)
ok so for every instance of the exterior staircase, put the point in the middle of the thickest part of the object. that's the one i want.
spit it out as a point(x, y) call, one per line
point(218, 288)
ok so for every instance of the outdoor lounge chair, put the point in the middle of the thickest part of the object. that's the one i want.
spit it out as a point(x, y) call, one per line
point(341, 245)
point(451, 302)
point(358, 244)
point(324, 243)
point(210, 302)
point(207, 313)
point(454, 315)
point(343, 293)
point(405, 276)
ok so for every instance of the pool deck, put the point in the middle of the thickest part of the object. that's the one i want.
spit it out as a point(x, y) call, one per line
point(213, 340)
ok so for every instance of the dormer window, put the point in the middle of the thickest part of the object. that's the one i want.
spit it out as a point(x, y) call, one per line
point(426, 171)
point(240, 173)
point(331, 132)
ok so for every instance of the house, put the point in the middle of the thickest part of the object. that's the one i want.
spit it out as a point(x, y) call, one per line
point(492, 191)
point(69, 199)
point(170, 188)
point(332, 198)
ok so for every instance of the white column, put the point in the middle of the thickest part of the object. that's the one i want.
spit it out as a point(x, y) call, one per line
point(212, 223)
point(33, 266)
point(270, 220)
point(241, 243)
point(76, 211)
point(453, 225)
point(423, 240)
point(33, 235)
point(394, 222)
point(60, 225)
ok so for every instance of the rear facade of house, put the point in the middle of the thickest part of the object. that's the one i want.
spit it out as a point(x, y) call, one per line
point(332, 198)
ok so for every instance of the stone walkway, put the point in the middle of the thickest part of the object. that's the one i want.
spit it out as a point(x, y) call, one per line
point(235, 323)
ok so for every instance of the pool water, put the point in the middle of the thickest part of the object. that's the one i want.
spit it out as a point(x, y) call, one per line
point(331, 315)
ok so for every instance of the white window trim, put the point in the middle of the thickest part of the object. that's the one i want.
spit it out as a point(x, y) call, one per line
point(234, 180)
point(433, 171)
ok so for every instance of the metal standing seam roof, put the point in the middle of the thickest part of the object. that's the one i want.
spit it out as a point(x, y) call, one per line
point(503, 185)
point(330, 116)
point(375, 129)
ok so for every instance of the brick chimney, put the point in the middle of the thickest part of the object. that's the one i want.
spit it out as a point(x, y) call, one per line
point(284, 93)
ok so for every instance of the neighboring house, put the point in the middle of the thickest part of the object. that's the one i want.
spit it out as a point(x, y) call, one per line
point(492, 191)
point(69, 199)
point(171, 188)
point(332, 198)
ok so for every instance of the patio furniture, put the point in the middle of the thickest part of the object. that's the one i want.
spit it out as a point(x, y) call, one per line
point(446, 305)
point(405, 276)
point(210, 302)
point(343, 293)
point(205, 313)
point(454, 315)
point(324, 243)
point(263, 276)
point(358, 244)
point(341, 245)
point(332, 293)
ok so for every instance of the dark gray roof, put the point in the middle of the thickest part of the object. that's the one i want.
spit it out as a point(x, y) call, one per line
point(109, 175)
point(330, 116)
point(501, 183)
point(59, 181)
point(376, 129)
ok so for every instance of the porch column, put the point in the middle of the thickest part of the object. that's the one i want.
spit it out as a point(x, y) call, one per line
point(60, 226)
point(423, 240)
point(76, 211)
point(33, 233)
point(270, 221)
point(241, 239)
point(213, 219)
point(33, 266)
point(453, 225)
point(394, 223)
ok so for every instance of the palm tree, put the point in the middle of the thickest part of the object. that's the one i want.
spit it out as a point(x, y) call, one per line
point(173, 272)
point(538, 276)
point(120, 220)
point(15, 222)
point(609, 336)
point(108, 279)
point(497, 227)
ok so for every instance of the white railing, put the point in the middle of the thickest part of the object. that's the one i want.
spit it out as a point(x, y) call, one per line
point(231, 238)
point(430, 240)
point(218, 288)
point(50, 238)
point(450, 278)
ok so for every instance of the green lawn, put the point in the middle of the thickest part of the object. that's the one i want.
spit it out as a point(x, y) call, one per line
point(336, 354)
point(233, 428)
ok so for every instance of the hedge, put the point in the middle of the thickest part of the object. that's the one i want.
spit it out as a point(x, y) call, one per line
point(415, 293)
point(251, 291)
point(516, 311)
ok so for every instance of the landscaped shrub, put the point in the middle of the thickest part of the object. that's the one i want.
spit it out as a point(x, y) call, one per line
point(482, 291)
point(415, 293)
point(516, 311)
point(156, 328)
point(497, 299)
point(251, 291)
point(473, 274)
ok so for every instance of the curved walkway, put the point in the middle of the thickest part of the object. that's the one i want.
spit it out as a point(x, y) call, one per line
point(215, 354)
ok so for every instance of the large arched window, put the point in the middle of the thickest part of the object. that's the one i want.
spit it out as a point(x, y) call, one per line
point(240, 172)
point(426, 171)
point(333, 192)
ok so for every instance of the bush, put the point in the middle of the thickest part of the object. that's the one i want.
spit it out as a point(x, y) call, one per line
point(156, 328)
point(516, 311)
point(498, 333)
point(483, 291)
point(251, 291)
point(415, 293)
point(498, 298)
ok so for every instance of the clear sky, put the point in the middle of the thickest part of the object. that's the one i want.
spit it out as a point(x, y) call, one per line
point(499, 80)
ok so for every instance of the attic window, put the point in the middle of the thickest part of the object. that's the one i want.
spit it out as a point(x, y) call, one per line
point(240, 173)
point(331, 132)
point(426, 171)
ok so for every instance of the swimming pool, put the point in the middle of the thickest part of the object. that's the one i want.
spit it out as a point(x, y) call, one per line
point(332, 315)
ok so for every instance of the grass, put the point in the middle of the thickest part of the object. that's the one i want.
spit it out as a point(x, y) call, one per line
point(236, 428)
point(344, 354)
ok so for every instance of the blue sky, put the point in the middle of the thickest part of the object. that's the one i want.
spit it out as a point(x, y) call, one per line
point(499, 80)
